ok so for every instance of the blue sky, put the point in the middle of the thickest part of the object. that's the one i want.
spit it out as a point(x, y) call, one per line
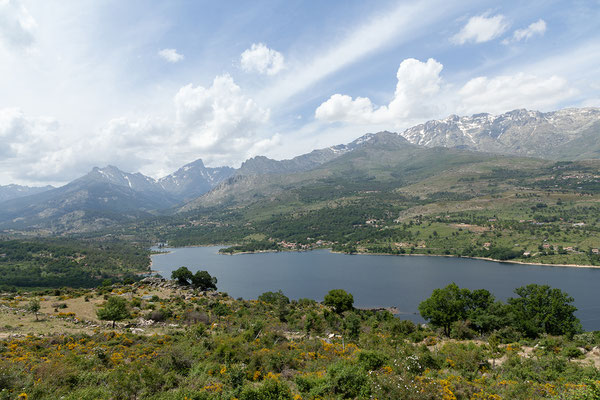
point(151, 85)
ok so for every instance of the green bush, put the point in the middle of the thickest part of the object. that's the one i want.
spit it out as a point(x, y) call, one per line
point(271, 389)
point(348, 381)
point(371, 360)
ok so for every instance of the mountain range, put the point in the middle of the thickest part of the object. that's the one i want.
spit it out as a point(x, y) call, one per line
point(106, 196)
point(568, 134)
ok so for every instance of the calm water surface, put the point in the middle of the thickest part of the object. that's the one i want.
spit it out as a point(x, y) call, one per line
point(378, 281)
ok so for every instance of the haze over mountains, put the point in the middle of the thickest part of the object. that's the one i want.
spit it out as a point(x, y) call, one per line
point(9, 192)
point(106, 196)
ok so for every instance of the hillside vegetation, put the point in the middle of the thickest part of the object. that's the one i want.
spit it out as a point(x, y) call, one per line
point(396, 198)
point(183, 344)
point(62, 262)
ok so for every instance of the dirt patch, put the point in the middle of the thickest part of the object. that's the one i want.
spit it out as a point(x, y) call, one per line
point(471, 228)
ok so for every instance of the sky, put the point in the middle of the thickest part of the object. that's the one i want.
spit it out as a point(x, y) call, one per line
point(149, 86)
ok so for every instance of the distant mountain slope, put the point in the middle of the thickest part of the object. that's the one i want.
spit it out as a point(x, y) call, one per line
point(9, 192)
point(386, 159)
point(194, 179)
point(260, 165)
point(101, 198)
point(564, 134)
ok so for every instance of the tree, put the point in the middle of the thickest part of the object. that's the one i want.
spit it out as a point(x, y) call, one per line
point(445, 306)
point(352, 326)
point(203, 281)
point(483, 311)
point(542, 309)
point(274, 297)
point(182, 275)
point(340, 300)
point(115, 309)
point(34, 307)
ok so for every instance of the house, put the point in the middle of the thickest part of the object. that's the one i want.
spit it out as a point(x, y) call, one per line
point(595, 251)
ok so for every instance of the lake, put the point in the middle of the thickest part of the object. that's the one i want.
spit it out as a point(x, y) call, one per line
point(378, 281)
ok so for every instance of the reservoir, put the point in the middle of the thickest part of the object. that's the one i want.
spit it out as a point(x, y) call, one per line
point(378, 281)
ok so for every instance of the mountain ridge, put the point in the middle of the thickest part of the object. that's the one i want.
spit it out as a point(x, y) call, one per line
point(551, 135)
point(12, 191)
point(108, 195)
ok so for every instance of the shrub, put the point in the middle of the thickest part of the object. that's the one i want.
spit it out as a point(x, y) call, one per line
point(371, 360)
point(462, 330)
point(274, 297)
point(340, 300)
point(348, 381)
point(271, 389)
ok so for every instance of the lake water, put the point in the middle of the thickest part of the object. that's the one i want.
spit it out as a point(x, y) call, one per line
point(378, 281)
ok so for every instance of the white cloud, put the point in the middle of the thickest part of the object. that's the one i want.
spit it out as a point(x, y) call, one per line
point(418, 83)
point(481, 29)
point(219, 124)
point(171, 55)
point(420, 94)
point(219, 120)
point(16, 25)
point(259, 58)
point(342, 108)
point(508, 92)
point(25, 140)
point(536, 28)
point(393, 27)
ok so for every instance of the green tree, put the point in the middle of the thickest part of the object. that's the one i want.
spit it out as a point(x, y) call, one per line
point(483, 311)
point(34, 307)
point(352, 325)
point(182, 275)
point(542, 309)
point(274, 297)
point(445, 306)
point(114, 310)
point(203, 281)
point(340, 300)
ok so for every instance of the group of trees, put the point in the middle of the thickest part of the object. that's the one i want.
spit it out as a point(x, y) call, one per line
point(74, 263)
point(538, 309)
point(200, 280)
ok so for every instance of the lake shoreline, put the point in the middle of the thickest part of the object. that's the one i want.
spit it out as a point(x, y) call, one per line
point(475, 258)
point(389, 254)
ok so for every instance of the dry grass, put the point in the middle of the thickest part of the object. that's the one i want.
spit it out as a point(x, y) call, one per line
point(14, 322)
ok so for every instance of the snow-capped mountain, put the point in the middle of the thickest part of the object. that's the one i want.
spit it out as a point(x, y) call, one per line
point(569, 133)
point(194, 179)
point(111, 174)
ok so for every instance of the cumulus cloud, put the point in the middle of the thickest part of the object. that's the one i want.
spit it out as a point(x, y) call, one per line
point(259, 58)
point(481, 29)
point(25, 140)
point(170, 55)
point(218, 123)
point(535, 28)
point(418, 83)
point(507, 92)
point(219, 118)
point(16, 25)
point(421, 94)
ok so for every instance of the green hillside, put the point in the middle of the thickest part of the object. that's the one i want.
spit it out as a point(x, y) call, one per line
point(394, 197)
